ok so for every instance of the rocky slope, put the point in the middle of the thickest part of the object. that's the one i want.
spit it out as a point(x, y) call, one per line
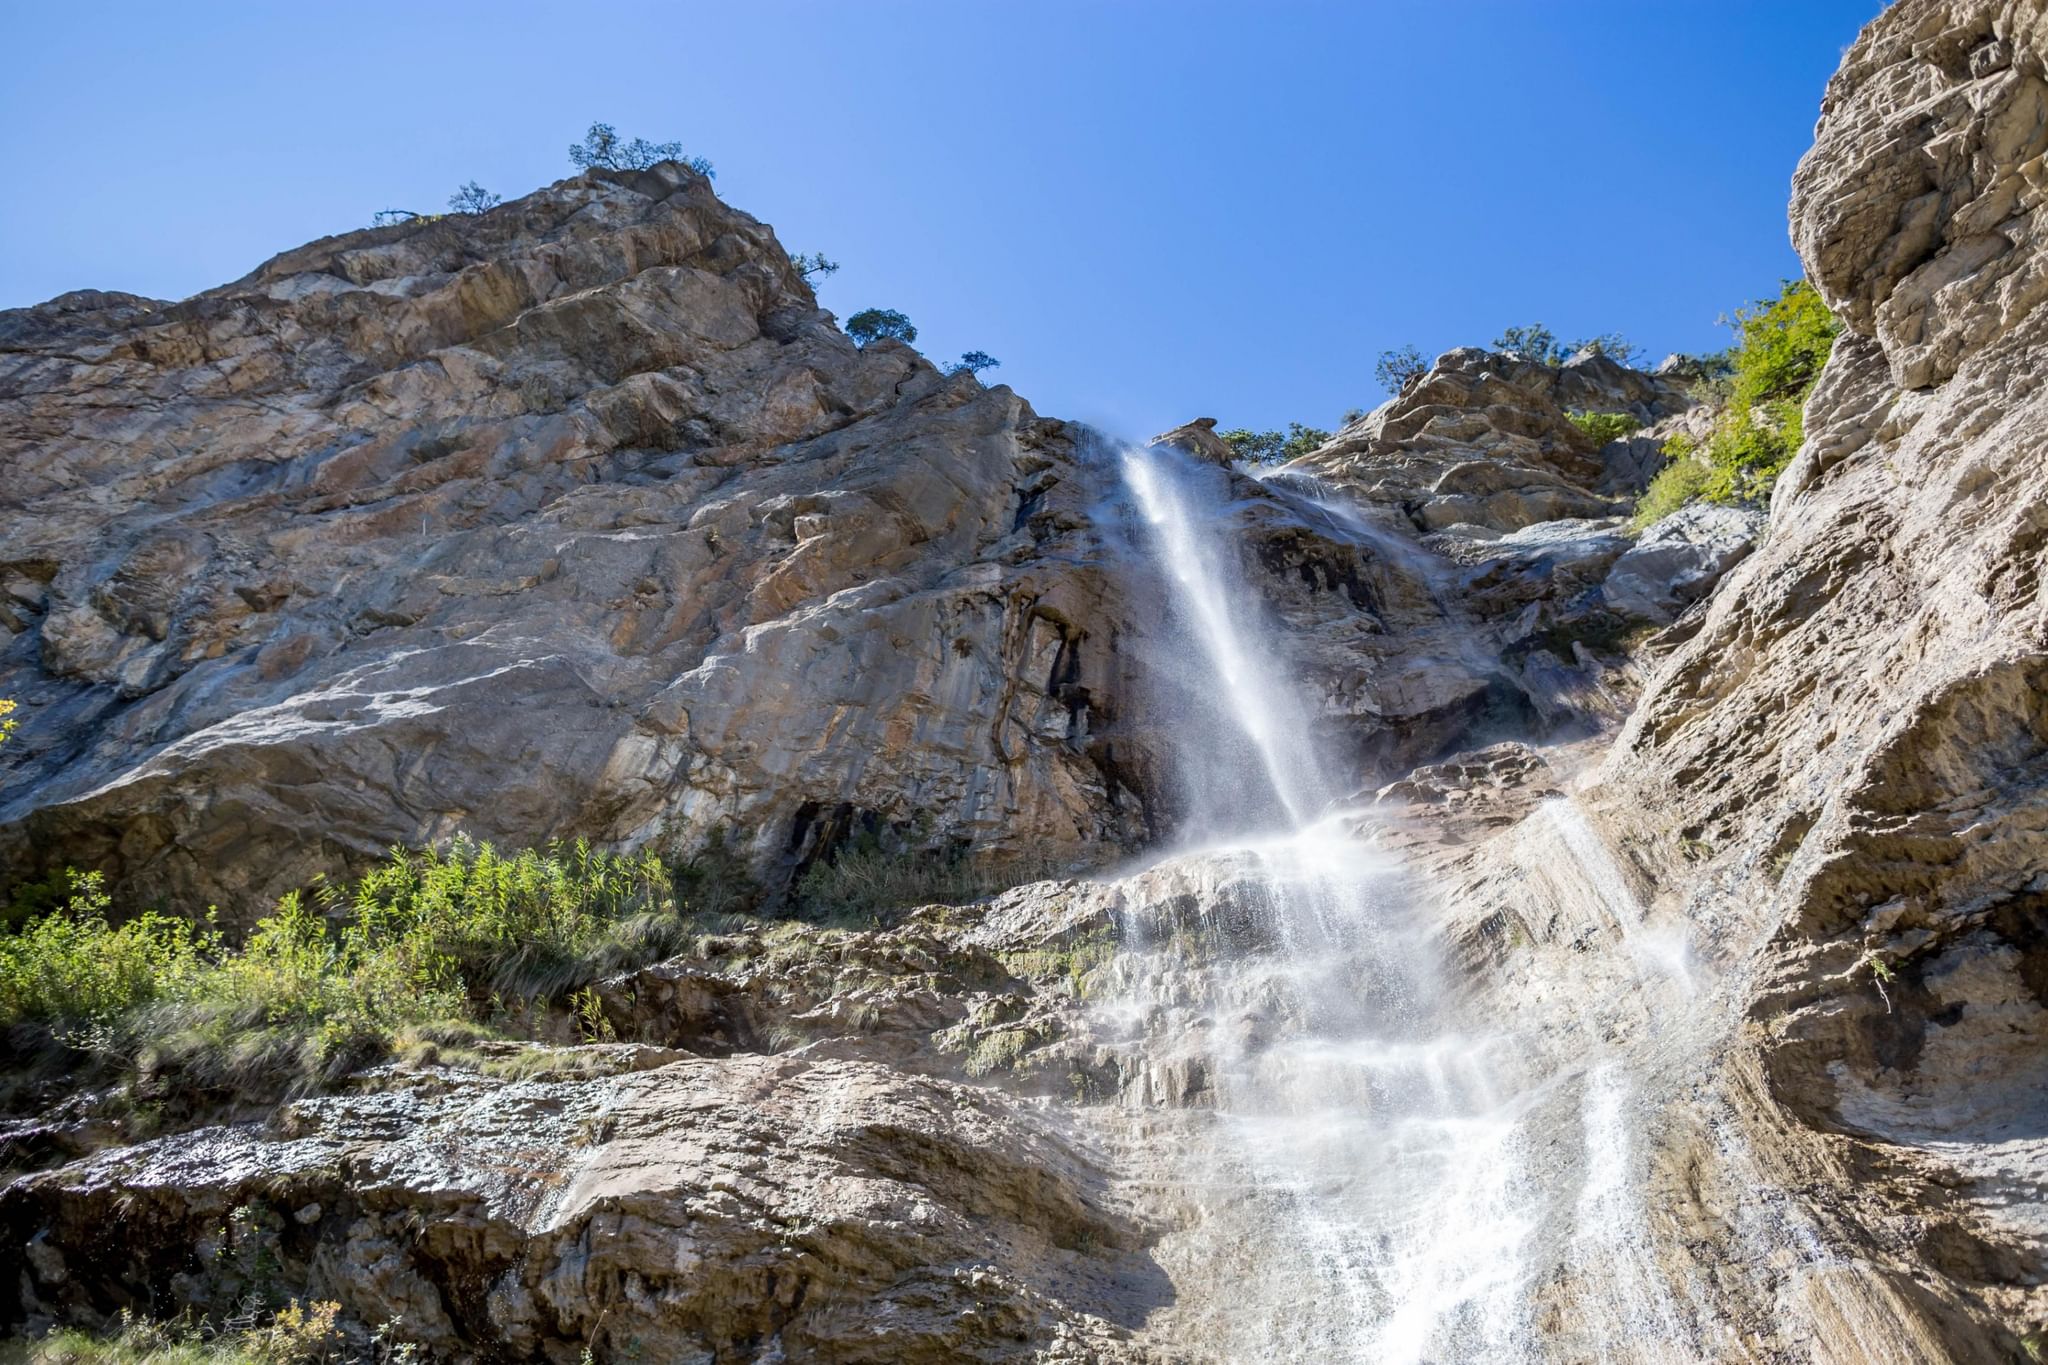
point(578, 518)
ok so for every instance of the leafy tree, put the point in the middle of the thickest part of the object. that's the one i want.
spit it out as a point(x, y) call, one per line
point(1273, 447)
point(873, 324)
point(813, 266)
point(974, 362)
point(601, 150)
point(1396, 367)
point(473, 198)
point(1534, 342)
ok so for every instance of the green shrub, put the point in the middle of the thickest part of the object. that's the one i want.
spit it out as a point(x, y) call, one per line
point(1538, 343)
point(1603, 427)
point(1534, 342)
point(1679, 482)
point(473, 198)
point(1273, 447)
point(73, 966)
point(601, 149)
point(1396, 367)
point(426, 938)
point(1781, 345)
point(295, 1335)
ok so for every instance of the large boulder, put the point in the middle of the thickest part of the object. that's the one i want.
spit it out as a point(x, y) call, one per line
point(1678, 560)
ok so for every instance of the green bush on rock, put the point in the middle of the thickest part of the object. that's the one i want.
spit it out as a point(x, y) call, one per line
point(1781, 345)
point(469, 936)
point(1273, 447)
point(1603, 427)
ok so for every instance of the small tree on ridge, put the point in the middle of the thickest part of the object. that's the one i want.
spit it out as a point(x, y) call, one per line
point(601, 150)
point(873, 324)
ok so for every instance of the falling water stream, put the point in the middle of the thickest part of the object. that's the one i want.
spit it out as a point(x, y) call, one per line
point(1377, 1177)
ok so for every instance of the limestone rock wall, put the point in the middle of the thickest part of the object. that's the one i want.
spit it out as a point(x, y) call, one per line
point(1843, 777)
point(574, 518)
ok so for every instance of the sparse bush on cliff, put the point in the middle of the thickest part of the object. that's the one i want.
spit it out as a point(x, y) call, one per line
point(1273, 447)
point(1538, 343)
point(466, 935)
point(1534, 342)
point(295, 1334)
point(1613, 345)
point(1397, 366)
point(1603, 427)
point(473, 198)
point(873, 324)
point(1682, 480)
point(601, 150)
point(813, 266)
point(974, 362)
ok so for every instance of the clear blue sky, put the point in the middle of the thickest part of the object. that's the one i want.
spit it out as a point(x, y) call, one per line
point(1149, 211)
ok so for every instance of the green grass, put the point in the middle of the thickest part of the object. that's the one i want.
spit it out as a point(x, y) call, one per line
point(293, 1335)
point(1682, 480)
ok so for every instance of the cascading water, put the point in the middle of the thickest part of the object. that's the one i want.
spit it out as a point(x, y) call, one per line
point(1374, 1177)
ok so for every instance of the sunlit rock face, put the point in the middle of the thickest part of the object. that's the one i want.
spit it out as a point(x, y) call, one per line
point(578, 518)
point(1483, 439)
point(575, 518)
point(1843, 777)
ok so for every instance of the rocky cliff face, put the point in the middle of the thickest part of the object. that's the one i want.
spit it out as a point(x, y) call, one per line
point(1840, 777)
point(579, 519)
point(575, 518)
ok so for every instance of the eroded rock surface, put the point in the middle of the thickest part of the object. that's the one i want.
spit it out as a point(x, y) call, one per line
point(1853, 748)
point(574, 518)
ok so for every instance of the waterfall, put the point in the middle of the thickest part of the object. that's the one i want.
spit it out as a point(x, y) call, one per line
point(1376, 1176)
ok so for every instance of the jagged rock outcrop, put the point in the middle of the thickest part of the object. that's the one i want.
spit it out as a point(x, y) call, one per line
point(1843, 776)
point(797, 1208)
point(1482, 439)
point(574, 518)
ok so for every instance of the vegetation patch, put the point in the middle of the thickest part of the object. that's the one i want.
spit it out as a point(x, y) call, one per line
point(1602, 427)
point(1781, 345)
point(468, 941)
point(1273, 447)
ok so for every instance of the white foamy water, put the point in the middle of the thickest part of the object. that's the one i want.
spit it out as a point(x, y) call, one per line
point(1379, 1180)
